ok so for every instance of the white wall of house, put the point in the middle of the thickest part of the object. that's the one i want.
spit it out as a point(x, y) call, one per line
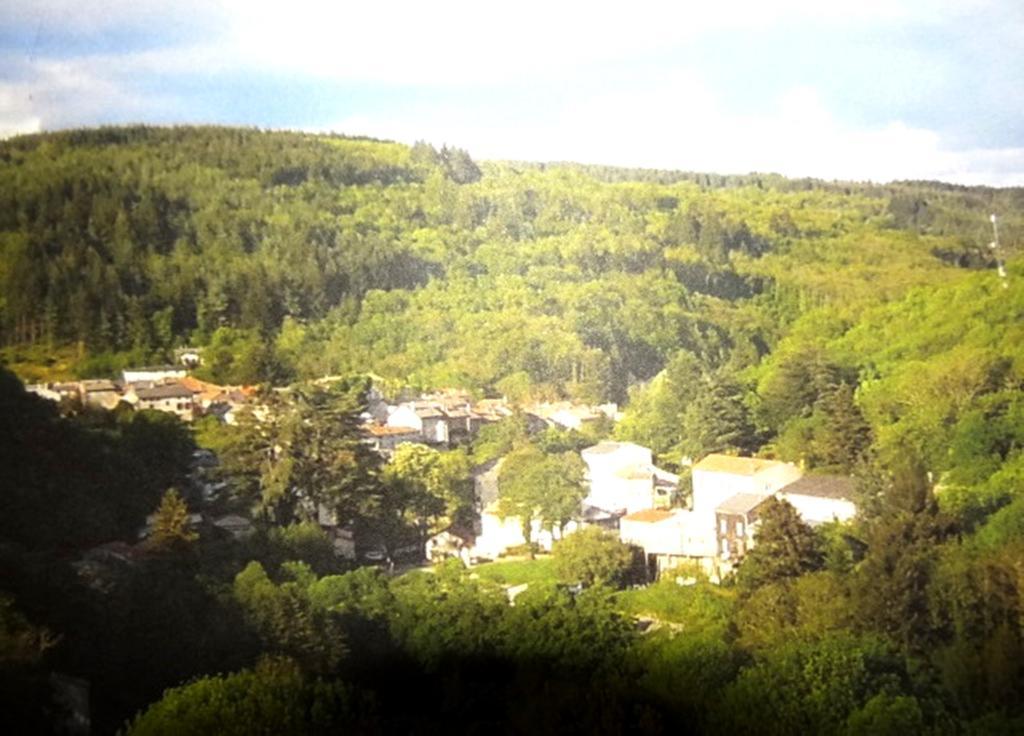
point(684, 533)
point(184, 408)
point(435, 429)
point(404, 415)
point(612, 493)
point(614, 470)
point(819, 509)
point(498, 535)
point(138, 375)
point(712, 487)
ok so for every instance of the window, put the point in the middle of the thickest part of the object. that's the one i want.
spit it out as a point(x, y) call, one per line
point(723, 525)
point(739, 528)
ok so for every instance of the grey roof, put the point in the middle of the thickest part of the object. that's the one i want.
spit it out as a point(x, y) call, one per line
point(166, 391)
point(741, 503)
point(823, 486)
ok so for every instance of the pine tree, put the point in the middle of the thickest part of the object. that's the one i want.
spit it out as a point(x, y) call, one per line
point(171, 526)
point(843, 436)
point(784, 547)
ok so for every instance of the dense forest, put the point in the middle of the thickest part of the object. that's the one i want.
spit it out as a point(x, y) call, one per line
point(863, 329)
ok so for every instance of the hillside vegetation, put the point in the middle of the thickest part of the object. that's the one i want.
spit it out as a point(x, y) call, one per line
point(856, 329)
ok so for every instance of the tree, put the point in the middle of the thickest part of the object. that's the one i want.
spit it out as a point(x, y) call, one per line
point(459, 167)
point(286, 619)
point(171, 525)
point(902, 526)
point(843, 436)
point(274, 697)
point(718, 420)
point(309, 455)
point(784, 547)
point(538, 487)
point(436, 486)
point(551, 627)
point(593, 556)
point(808, 687)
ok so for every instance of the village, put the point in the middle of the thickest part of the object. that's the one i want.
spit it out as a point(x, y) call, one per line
point(708, 526)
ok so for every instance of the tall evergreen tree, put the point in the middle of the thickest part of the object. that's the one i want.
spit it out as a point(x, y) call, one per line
point(784, 547)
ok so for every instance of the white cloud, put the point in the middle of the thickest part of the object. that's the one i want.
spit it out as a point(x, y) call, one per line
point(17, 115)
point(680, 125)
point(67, 93)
point(646, 116)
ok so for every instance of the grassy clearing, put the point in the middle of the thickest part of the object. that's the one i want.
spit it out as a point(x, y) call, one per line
point(516, 572)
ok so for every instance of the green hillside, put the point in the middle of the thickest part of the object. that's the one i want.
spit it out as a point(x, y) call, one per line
point(856, 329)
point(296, 255)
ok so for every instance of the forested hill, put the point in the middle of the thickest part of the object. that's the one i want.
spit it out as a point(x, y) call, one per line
point(292, 255)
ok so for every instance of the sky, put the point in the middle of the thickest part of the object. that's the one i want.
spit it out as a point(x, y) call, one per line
point(866, 90)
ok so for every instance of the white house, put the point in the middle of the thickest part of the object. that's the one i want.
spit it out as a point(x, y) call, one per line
point(671, 537)
point(153, 373)
point(170, 397)
point(717, 478)
point(735, 521)
point(425, 418)
point(822, 498)
point(493, 535)
point(621, 477)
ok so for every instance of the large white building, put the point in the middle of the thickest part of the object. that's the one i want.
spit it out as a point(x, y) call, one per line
point(622, 477)
point(718, 477)
point(728, 495)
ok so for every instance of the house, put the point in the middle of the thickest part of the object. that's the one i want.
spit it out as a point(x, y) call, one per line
point(717, 478)
point(492, 410)
point(102, 393)
point(822, 498)
point(170, 397)
point(670, 538)
point(153, 373)
point(376, 406)
point(493, 535)
point(206, 393)
point(424, 417)
point(735, 520)
point(568, 415)
point(384, 439)
point(189, 357)
point(621, 477)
